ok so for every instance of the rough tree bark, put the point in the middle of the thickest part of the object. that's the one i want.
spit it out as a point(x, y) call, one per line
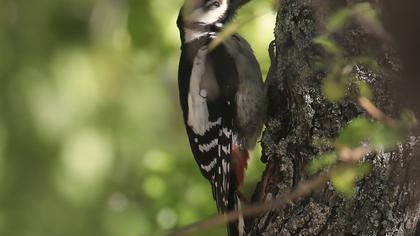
point(386, 201)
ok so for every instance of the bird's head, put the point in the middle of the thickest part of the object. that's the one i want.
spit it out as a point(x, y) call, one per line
point(202, 16)
point(205, 12)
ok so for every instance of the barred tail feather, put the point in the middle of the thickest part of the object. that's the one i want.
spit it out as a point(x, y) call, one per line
point(236, 228)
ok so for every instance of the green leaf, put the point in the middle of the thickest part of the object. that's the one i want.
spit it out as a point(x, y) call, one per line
point(324, 160)
point(344, 179)
point(329, 45)
point(320, 63)
point(367, 13)
point(387, 138)
point(333, 89)
point(358, 130)
point(339, 20)
point(380, 135)
point(369, 62)
point(364, 89)
point(408, 118)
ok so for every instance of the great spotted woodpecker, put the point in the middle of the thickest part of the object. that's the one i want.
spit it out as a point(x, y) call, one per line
point(222, 97)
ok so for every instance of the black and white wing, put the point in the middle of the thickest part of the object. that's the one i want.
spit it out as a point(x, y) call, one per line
point(208, 83)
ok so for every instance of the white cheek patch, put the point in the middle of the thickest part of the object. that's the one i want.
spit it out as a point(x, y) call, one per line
point(210, 16)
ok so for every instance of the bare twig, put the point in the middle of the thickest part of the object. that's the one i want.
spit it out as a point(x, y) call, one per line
point(354, 155)
point(303, 189)
point(375, 112)
point(347, 155)
point(232, 28)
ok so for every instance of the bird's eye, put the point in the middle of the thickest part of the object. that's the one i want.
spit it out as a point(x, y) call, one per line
point(216, 4)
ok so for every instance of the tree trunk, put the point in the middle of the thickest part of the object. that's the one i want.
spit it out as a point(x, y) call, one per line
point(386, 200)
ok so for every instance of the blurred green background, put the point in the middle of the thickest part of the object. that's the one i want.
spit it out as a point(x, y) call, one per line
point(91, 137)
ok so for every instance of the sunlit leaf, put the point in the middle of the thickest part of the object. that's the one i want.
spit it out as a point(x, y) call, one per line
point(358, 130)
point(233, 27)
point(344, 179)
point(333, 89)
point(339, 20)
point(367, 14)
point(222, 36)
point(364, 89)
point(329, 45)
point(324, 160)
point(386, 137)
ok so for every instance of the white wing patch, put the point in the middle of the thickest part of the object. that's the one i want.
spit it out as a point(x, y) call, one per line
point(198, 114)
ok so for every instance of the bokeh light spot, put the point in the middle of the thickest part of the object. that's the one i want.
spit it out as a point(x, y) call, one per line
point(154, 186)
point(86, 158)
point(197, 194)
point(157, 160)
point(166, 218)
point(118, 202)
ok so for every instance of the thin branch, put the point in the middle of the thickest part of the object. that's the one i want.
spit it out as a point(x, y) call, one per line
point(375, 112)
point(347, 155)
point(232, 28)
point(303, 189)
point(354, 155)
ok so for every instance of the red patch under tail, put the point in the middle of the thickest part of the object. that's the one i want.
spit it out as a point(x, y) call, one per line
point(239, 162)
